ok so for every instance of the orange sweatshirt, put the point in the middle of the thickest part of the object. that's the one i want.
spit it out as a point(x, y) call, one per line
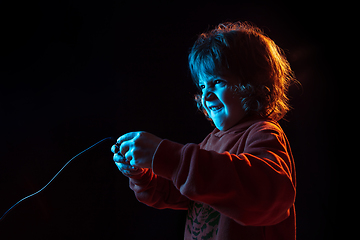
point(236, 184)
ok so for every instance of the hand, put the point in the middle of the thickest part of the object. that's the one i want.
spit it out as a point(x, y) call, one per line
point(138, 148)
point(123, 165)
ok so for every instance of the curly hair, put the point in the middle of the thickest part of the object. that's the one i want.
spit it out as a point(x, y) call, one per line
point(260, 66)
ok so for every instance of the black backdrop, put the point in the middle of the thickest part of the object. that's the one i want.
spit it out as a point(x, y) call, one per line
point(74, 72)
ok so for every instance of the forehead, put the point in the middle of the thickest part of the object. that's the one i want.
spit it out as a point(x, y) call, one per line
point(206, 67)
point(209, 70)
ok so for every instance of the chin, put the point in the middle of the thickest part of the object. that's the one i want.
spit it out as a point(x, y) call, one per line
point(221, 127)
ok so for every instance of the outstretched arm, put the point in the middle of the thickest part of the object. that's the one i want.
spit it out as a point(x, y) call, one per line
point(133, 155)
point(254, 187)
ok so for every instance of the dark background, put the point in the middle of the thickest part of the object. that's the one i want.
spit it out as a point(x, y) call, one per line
point(74, 72)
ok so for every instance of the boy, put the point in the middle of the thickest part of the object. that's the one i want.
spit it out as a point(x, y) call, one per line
point(239, 183)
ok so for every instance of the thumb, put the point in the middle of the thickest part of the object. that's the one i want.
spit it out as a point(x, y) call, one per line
point(133, 164)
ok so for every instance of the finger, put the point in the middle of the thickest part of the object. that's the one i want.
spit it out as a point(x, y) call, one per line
point(125, 147)
point(115, 148)
point(128, 170)
point(119, 158)
point(125, 166)
point(133, 163)
point(129, 156)
point(126, 137)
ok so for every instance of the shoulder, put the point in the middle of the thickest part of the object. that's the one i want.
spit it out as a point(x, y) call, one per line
point(266, 132)
point(266, 125)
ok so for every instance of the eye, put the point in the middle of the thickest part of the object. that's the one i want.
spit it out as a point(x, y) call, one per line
point(202, 86)
point(218, 81)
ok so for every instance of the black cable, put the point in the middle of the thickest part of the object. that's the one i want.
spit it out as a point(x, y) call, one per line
point(31, 195)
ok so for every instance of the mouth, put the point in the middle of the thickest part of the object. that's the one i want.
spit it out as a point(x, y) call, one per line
point(216, 108)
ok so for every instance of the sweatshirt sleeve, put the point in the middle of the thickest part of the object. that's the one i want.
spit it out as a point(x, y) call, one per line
point(254, 188)
point(157, 192)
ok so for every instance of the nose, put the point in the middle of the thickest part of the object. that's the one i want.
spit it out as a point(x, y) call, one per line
point(208, 95)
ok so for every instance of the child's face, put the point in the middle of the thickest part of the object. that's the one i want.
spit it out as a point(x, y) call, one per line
point(221, 103)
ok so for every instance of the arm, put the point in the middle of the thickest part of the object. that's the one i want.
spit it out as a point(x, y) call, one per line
point(157, 192)
point(254, 187)
point(149, 188)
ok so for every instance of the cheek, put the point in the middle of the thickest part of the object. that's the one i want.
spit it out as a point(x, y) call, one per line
point(229, 99)
point(233, 104)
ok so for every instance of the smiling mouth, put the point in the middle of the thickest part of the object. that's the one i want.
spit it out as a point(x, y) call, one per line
point(215, 108)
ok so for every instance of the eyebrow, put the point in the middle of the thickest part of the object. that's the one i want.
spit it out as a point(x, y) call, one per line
point(214, 78)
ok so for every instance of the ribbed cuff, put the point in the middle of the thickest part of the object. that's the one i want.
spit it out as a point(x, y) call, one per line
point(167, 158)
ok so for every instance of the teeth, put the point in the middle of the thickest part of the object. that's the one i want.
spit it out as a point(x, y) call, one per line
point(215, 108)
